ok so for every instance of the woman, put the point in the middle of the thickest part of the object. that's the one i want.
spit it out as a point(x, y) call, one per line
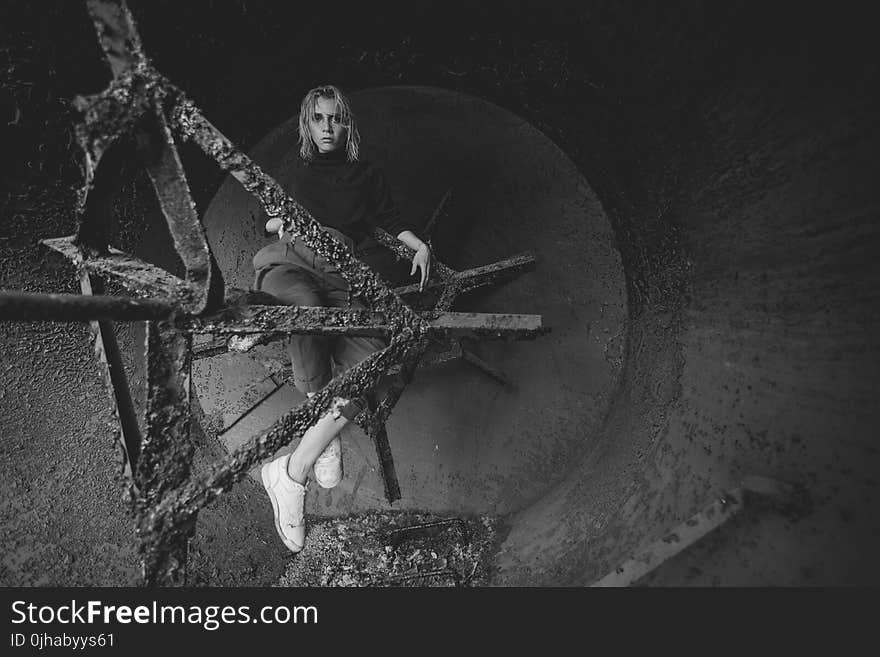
point(349, 198)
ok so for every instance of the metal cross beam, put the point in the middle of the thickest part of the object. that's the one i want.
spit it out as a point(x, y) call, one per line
point(322, 320)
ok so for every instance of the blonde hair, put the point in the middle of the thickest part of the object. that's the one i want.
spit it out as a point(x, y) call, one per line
point(307, 148)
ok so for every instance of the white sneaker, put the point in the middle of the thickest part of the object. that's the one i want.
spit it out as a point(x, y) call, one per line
point(328, 467)
point(288, 502)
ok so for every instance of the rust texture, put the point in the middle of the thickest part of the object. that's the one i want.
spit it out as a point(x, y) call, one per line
point(141, 278)
point(370, 422)
point(169, 181)
point(323, 320)
point(167, 453)
point(107, 350)
point(470, 279)
point(30, 306)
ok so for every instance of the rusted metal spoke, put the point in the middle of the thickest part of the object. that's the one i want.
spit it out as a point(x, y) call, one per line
point(405, 253)
point(325, 320)
point(113, 373)
point(470, 279)
point(117, 34)
point(172, 190)
point(166, 449)
point(379, 435)
point(137, 276)
point(166, 455)
point(28, 307)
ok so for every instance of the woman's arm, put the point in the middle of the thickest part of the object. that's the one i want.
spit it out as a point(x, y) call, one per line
point(422, 258)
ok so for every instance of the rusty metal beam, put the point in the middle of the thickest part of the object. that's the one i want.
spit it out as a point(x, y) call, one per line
point(105, 135)
point(403, 252)
point(470, 279)
point(495, 272)
point(172, 190)
point(322, 320)
point(137, 276)
point(113, 372)
point(30, 307)
point(117, 35)
point(379, 435)
point(166, 455)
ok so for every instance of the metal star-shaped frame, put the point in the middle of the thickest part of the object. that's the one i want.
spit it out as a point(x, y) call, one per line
point(139, 116)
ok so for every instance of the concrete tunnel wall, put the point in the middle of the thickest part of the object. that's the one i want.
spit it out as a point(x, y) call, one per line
point(461, 442)
point(740, 188)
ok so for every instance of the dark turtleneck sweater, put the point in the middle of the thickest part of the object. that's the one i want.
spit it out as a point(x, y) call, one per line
point(352, 197)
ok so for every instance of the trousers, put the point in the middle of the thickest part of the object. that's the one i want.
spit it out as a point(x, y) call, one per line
point(291, 272)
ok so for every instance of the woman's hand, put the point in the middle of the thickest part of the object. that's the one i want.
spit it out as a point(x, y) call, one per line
point(275, 225)
point(422, 260)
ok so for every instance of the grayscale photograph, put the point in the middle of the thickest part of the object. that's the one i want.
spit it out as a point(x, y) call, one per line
point(438, 295)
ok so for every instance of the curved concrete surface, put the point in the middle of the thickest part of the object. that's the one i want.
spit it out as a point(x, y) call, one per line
point(740, 186)
point(461, 441)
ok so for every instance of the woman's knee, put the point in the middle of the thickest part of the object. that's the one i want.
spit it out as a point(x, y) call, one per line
point(291, 285)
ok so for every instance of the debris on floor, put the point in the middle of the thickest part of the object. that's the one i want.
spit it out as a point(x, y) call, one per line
point(401, 549)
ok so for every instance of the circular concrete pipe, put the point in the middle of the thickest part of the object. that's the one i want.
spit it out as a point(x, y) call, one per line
point(462, 442)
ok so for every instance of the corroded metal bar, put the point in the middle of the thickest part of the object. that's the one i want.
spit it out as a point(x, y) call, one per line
point(117, 34)
point(470, 279)
point(112, 369)
point(166, 455)
point(316, 320)
point(172, 190)
point(379, 435)
point(166, 446)
point(137, 276)
point(405, 253)
point(285, 372)
point(27, 307)
point(495, 272)
point(373, 420)
point(209, 349)
point(108, 120)
point(323, 320)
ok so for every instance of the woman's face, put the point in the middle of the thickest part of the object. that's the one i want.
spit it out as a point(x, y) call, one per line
point(324, 126)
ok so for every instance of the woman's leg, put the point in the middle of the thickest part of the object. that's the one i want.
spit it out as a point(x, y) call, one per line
point(309, 354)
point(284, 478)
point(315, 440)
